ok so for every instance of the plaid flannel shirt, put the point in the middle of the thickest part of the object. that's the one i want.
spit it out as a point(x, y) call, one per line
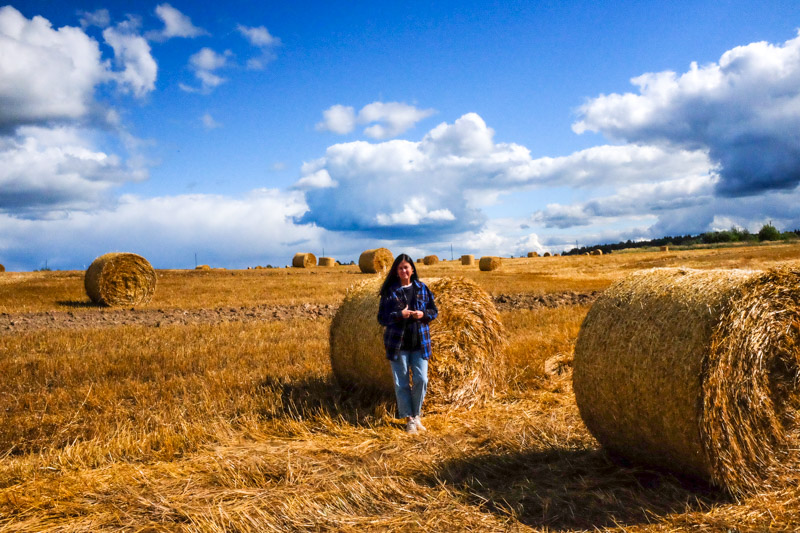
point(390, 315)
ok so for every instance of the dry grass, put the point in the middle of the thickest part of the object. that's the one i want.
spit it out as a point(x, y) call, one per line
point(240, 426)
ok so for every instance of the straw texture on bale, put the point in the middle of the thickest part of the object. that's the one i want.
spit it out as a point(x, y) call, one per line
point(430, 259)
point(697, 372)
point(468, 260)
point(116, 279)
point(327, 262)
point(488, 263)
point(374, 261)
point(301, 260)
point(533, 254)
point(467, 341)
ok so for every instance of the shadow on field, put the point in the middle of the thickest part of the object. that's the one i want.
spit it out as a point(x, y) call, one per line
point(77, 304)
point(324, 396)
point(571, 489)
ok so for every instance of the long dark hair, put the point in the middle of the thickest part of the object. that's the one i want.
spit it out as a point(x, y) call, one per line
point(392, 278)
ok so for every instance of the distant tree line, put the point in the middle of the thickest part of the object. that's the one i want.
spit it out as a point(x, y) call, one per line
point(768, 232)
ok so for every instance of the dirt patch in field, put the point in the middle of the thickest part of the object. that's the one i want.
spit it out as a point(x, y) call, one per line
point(10, 323)
point(512, 302)
point(101, 317)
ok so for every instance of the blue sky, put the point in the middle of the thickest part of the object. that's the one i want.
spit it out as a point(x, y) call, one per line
point(249, 131)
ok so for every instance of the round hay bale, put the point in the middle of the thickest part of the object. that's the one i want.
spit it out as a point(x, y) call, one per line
point(546, 254)
point(327, 262)
point(697, 372)
point(430, 260)
point(468, 260)
point(2, 268)
point(118, 279)
point(467, 341)
point(374, 261)
point(597, 251)
point(301, 260)
point(202, 267)
point(533, 254)
point(488, 263)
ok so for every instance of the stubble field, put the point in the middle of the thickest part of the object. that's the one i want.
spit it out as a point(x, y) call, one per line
point(213, 408)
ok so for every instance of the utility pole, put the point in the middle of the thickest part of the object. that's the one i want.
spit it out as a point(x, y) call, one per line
point(195, 259)
point(451, 251)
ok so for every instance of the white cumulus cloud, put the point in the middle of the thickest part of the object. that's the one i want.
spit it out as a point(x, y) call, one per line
point(45, 74)
point(204, 63)
point(338, 119)
point(261, 38)
point(384, 119)
point(132, 53)
point(176, 24)
point(257, 228)
point(743, 110)
point(100, 18)
point(48, 169)
point(455, 168)
point(391, 118)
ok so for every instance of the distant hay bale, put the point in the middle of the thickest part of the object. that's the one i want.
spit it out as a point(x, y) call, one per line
point(117, 279)
point(597, 251)
point(697, 372)
point(468, 260)
point(546, 254)
point(327, 262)
point(664, 248)
point(301, 260)
point(2, 268)
point(374, 261)
point(430, 259)
point(467, 341)
point(488, 263)
point(533, 254)
point(202, 267)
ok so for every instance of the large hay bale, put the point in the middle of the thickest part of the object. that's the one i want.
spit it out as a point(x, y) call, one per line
point(467, 341)
point(117, 279)
point(2, 268)
point(533, 254)
point(546, 254)
point(327, 262)
point(697, 372)
point(488, 263)
point(374, 261)
point(301, 260)
point(430, 259)
point(597, 251)
point(202, 267)
point(468, 260)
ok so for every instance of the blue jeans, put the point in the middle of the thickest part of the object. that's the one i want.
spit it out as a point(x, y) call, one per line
point(409, 399)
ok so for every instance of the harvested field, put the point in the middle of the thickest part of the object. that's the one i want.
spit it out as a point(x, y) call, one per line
point(227, 417)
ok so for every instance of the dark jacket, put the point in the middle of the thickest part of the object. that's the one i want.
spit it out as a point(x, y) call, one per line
point(390, 315)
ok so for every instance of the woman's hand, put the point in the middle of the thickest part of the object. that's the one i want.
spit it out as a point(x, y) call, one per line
point(412, 314)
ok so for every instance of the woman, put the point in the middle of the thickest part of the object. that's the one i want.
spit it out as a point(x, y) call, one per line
point(405, 310)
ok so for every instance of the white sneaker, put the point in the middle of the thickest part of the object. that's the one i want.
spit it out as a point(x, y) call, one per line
point(411, 426)
point(419, 425)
